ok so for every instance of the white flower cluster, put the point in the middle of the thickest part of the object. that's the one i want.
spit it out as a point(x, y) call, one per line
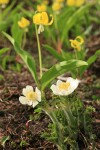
point(33, 97)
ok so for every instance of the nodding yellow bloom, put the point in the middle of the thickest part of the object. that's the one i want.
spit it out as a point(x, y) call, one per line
point(76, 3)
point(56, 6)
point(4, 2)
point(80, 39)
point(41, 7)
point(42, 19)
point(76, 44)
point(23, 23)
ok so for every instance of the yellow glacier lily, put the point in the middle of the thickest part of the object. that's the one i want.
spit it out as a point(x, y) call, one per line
point(4, 2)
point(41, 8)
point(76, 44)
point(23, 23)
point(42, 19)
point(56, 6)
point(76, 3)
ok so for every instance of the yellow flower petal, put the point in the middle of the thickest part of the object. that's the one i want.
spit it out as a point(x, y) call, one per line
point(42, 19)
point(56, 6)
point(41, 8)
point(75, 44)
point(79, 39)
point(4, 1)
point(76, 3)
point(23, 22)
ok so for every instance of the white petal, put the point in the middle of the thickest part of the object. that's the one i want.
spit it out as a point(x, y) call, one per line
point(23, 100)
point(30, 103)
point(38, 94)
point(55, 90)
point(34, 103)
point(74, 84)
point(71, 80)
point(58, 82)
point(30, 88)
point(27, 89)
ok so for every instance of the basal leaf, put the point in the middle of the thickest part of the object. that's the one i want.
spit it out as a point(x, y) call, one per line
point(59, 69)
point(53, 52)
point(27, 58)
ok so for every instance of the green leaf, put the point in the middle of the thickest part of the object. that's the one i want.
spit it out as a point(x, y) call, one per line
point(4, 140)
point(27, 58)
point(19, 34)
point(54, 52)
point(3, 50)
point(59, 69)
point(73, 19)
point(90, 61)
point(94, 57)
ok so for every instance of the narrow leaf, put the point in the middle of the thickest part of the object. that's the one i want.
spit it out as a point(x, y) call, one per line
point(3, 50)
point(54, 52)
point(27, 58)
point(59, 69)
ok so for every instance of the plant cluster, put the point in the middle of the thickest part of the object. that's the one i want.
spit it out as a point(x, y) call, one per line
point(70, 119)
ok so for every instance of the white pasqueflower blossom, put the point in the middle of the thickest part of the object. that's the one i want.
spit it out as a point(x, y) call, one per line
point(30, 97)
point(65, 88)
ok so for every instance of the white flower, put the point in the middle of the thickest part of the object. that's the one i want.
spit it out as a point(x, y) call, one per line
point(30, 97)
point(65, 88)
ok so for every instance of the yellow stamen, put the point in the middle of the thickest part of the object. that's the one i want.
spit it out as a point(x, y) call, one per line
point(64, 86)
point(31, 96)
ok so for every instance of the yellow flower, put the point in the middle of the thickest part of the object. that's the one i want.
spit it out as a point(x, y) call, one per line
point(23, 23)
point(79, 39)
point(41, 7)
point(42, 19)
point(76, 3)
point(76, 44)
point(4, 1)
point(56, 6)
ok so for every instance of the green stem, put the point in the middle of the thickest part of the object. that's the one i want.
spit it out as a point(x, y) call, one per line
point(51, 114)
point(0, 13)
point(39, 51)
point(24, 40)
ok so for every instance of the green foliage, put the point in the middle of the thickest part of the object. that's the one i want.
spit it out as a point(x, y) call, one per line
point(71, 123)
point(3, 59)
point(5, 20)
point(69, 56)
point(90, 61)
point(27, 58)
point(19, 34)
point(73, 20)
point(59, 69)
point(3, 50)
point(4, 140)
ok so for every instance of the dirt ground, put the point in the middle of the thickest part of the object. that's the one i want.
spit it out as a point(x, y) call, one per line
point(14, 117)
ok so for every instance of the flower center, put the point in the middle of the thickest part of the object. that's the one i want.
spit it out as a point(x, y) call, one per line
point(64, 86)
point(31, 96)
